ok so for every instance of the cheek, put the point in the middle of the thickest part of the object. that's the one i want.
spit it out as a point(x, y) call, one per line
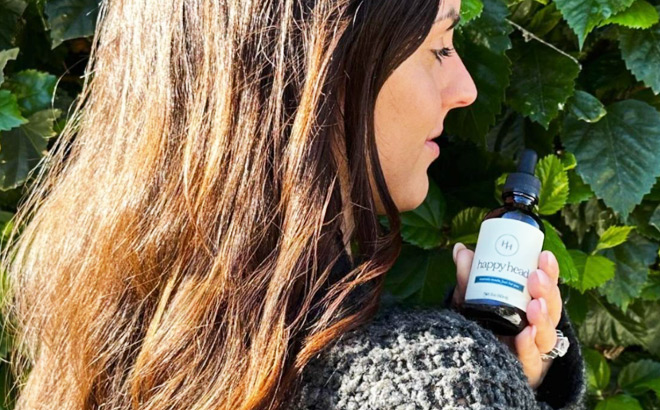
point(406, 113)
point(410, 101)
point(407, 110)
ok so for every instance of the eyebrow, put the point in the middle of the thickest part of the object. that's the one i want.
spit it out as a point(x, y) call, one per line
point(451, 14)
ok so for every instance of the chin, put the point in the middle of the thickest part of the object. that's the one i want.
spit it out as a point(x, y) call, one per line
point(415, 198)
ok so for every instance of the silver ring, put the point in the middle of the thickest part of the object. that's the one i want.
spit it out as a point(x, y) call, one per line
point(560, 349)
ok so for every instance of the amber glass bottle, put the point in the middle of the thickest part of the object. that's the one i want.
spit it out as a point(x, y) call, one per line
point(508, 247)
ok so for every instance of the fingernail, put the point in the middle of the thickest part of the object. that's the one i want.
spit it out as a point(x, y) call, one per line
point(552, 260)
point(543, 278)
point(456, 249)
point(533, 333)
point(544, 306)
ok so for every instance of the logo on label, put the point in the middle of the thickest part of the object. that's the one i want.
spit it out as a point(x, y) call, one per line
point(506, 245)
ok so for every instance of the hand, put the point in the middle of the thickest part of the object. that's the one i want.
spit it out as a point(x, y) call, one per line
point(543, 312)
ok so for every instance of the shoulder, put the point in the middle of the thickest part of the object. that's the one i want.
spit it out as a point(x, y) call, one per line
point(417, 357)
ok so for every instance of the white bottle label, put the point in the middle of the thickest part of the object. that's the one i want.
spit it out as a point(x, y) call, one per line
point(507, 253)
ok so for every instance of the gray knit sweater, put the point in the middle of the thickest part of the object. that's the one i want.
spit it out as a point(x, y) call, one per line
point(409, 358)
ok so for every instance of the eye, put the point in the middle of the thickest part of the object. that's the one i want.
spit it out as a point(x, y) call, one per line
point(443, 53)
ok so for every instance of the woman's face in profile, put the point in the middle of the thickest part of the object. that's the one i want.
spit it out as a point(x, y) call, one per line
point(412, 105)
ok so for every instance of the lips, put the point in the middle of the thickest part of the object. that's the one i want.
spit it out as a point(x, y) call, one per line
point(433, 146)
point(436, 136)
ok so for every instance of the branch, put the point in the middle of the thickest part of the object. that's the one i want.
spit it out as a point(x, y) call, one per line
point(528, 35)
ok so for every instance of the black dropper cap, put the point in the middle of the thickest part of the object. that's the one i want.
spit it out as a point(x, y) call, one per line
point(524, 180)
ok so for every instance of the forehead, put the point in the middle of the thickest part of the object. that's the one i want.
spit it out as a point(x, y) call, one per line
point(447, 6)
point(448, 10)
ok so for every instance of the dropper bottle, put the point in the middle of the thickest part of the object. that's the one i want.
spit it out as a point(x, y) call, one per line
point(508, 247)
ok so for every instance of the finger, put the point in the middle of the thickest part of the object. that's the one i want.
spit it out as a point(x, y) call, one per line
point(537, 315)
point(541, 286)
point(548, 264)
point(457, 247)
point(463, 260)
point(529, 354)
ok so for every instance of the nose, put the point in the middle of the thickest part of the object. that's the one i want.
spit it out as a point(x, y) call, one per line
point(463, 90)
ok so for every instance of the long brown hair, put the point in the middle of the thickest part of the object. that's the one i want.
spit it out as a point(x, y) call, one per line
point(175, 248)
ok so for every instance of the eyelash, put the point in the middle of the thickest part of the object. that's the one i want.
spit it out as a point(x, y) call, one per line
point(443, 53)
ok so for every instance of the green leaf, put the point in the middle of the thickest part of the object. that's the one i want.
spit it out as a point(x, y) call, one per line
point(421, 276)
point(654, 195)
point(617, 156)
point(632, 259)
point(583, 16)
point(607, 325)
point(23, 147)
point(423, 225)
point(33, 89)
point(71, 19)
point(513, 133)
point(536, 93)
point(465, 225)
point(10, 14)
point(640, 15)
point(5, 56)
point(649, 402)
point(606, 74)
point(554, 184)
point(471, 9)
point(654, 221)
point(639, 377)
point(553, 243)
point(10, 114)
point(619, 402)
point(647, 95)
point(640, 50)
point(598, 371)
point(578, 191)
point(651, 289)
point(586, 107)
point(544, 20)
point(613, 236)
point(640, 217)
point(507, 137)
point(588, 215)
point(491, 30)
point(576, 305)
point(481, 44)
point(499, 186)
point(6, 224)
point(5, 346)
point(593, 270)
point(568, 161)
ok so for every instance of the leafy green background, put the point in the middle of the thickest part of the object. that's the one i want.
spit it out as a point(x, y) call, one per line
point(576, 80)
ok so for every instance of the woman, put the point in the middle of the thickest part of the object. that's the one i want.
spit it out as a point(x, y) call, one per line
point(189, 236)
